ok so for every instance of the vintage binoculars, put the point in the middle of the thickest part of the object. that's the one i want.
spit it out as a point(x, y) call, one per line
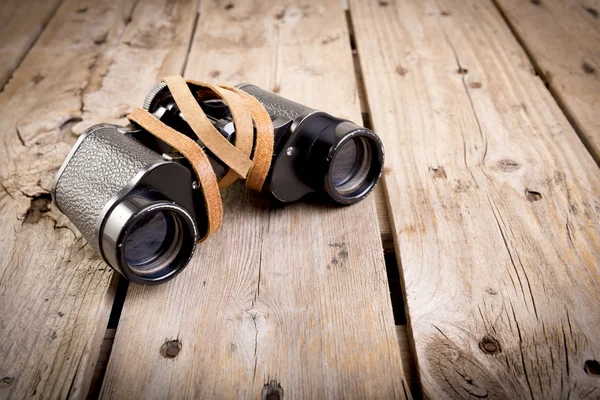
point(137, 202)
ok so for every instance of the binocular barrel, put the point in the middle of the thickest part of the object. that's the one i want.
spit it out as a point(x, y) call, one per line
point(131, 205)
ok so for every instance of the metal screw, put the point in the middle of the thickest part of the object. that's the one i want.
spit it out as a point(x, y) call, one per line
point(290, 151)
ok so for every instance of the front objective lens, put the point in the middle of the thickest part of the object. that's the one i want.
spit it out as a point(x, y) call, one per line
point(350, 166)
point(148, 240)
point(355, 167)
point(152, 243)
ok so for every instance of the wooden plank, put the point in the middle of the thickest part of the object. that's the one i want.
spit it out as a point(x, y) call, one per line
point(296, 296)
point(55, 291)
point(563, 37)
point(21, 22)
point(494, 201)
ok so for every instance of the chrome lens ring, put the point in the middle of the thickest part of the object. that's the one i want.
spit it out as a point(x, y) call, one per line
point(355, 166)
point(148, 241)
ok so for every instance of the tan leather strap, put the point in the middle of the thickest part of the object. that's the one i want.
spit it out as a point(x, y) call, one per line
point(196, 156)
point(242, 120)
point(235, 157)
point(263, 148)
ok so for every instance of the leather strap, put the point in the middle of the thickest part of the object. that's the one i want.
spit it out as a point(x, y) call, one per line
point(235, 157)
point(263, 149)
point(196, 156)
point(242, 120)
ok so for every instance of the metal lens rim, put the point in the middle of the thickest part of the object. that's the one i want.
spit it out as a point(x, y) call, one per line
point(153, 262)
point(356, 175)
point(363, 177)
point(178, 253)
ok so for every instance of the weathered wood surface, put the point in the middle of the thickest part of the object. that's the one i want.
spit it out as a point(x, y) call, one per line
point(55, 291)
point(495, 203)
point(563, 38)
point(295, 295)
point(21, 22)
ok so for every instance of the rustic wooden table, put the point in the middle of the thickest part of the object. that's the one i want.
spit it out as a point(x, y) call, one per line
point(489, 209)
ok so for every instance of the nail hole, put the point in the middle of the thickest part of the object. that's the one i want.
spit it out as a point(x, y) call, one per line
point(401, 71)
point(462, 70)
point(587, 68)
point(229, 6)
point(592, 367)
point(272, 391)
point(438, 172)
point(475, 85)
point(37, 78)
point(532, 195)
point(170, 349)
point(489, 345)
point(592, 12)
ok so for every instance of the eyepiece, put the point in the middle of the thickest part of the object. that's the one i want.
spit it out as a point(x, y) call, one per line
point(148, 240)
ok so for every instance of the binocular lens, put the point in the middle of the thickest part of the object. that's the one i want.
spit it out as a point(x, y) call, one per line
point(355, 168)
point(152, 243)
point(149, 240)
point(351, 166)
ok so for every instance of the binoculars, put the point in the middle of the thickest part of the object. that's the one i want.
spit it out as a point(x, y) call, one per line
point(138, 203)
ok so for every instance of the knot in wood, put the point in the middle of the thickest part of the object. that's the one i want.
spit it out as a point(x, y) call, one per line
point(5, 382)
point(592, 368)
point(508, 165)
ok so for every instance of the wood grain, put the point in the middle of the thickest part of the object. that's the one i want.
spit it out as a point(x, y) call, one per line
point(291, 299)
point(21, 22)
point(55, 291)
point(494, 203)
point(563, 37)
